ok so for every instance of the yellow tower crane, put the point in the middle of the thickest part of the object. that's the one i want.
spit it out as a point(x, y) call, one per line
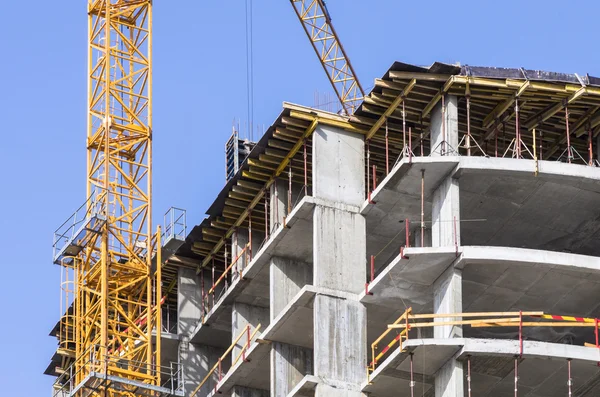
point(107, 248)
point(316, 21)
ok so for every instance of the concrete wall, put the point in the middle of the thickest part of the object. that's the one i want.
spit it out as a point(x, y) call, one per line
point(439, 145)
point(289, 364)
point(195, 359)
point(287, 278)
point(243, 315)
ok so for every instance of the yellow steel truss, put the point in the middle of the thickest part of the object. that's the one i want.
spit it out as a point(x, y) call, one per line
point(317, 24)
point(115, 305)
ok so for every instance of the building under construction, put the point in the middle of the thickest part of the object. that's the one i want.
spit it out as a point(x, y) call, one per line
point(436, 238)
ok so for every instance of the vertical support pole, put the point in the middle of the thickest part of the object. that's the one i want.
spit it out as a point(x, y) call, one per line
point(443, 147)
point(422, 208)
point(468, 96)
point(368, 168)
point(276, 217)
point(516, 376)
point(372, 268)
point(407, 224)
point(469, 376)
point(387, 149)
point(535, 158)
point(596, 332)
point(203, 305)
point(422, 143)
point(517, 130)
point(520, 334)
point(290, 188)
point(590, 145)
point(250, 235)
point(410, 153)
point(496, 142)
point(455, 237)
point(374, 177)
point(158, 284)
point(403, 128)
point(541, 145)
point(213, 281)
point(266, 223)
point(569, 153)
point(570, 380)
point(412, 380)
point(503, 137)
point(305, 170)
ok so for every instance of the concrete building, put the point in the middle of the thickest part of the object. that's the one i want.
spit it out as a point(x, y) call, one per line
point(459, 191)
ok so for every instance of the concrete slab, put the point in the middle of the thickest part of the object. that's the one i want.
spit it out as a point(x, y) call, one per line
point(409, 276)
point(503, 203)
point(397, 198)
point(251, 373)
point(294, 325)
point(294, 240)
point(306, 387)
point(542, 370)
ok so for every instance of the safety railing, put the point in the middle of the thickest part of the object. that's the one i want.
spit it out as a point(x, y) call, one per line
point(175, 226)
point(217, 370)
point(402, 335)
point(235, 269)
point(72, 228)
point(92, 364)
point(517, 319)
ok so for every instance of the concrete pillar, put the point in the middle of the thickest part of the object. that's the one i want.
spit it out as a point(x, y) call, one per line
point(449, 380)
point(243, 315)
point(340, 347)
point(447, 298)
point(445, 214)
point(417, 237)
point(450, 148)
point(279, 204)
point(339, 258)
point(289, 364)
point(195, 359)
point(241, 391)
point(189, 299)
point(287, 278)
point(239, 239)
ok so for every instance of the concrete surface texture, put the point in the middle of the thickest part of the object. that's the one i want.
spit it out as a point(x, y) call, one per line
point(447, 234)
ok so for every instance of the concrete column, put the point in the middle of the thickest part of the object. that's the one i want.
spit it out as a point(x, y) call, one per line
point(445, 214)
point(289, 364)
point(279, 205)
point(239, 239)
point(449, 380)
point(447, 298)
point(417, 237)
point(189, 299)
point(243, 315)
point(451, 127)
point(196, 359)
point(287, 278)
point(339, 259)
point(241, 391)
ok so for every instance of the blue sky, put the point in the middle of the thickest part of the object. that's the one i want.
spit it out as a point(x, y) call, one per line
point(199, 88)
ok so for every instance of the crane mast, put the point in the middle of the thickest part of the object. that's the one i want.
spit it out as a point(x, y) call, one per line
point(316, 22)
point(113, 325)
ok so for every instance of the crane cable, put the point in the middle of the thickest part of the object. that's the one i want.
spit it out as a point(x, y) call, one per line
point(249, 69)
